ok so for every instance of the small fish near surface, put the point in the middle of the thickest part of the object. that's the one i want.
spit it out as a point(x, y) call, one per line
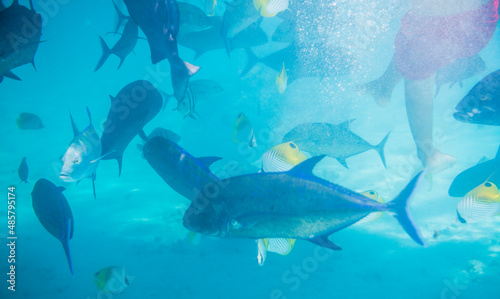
point(270, 8)
point(482, 104)
point(159, 20)
point(243, 131)
point(480, 203)
point(29, 121)
point(53, 212)
point(184, 173)
point(336, 141)
point(113, 279)
point(294, 204)
point(124, 46)
point(131, 109)
point(475, 176)
point(83, 154)
point(22, 171)
point(458, 71)
point(20, 32)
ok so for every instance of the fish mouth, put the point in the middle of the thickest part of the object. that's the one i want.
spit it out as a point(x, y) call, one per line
point(66, 177)
point(461, 116)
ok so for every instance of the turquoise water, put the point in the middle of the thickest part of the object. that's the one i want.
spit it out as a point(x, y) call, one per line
point(136, 221)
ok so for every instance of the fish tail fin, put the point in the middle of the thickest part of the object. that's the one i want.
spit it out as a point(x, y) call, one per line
point(33, 64)
point(252, 60)
point(106, 51)
point(166, 98)
point(192, 69)
point(121, 17)
point(399, 209)
point(380, 149)
point(122, 59)
point(119, 160)
point(65, 244)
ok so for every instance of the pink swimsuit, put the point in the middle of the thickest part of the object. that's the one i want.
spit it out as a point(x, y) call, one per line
point(425, 44)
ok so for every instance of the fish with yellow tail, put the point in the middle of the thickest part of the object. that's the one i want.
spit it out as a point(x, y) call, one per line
point(281, 80)
point(112, 279)
point(480, 203)
point(372, 216)
point(243, 131)
point(270, 8)
point(278, 245)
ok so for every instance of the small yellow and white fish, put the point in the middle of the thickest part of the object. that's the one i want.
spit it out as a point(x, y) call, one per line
point(278, 245)
point(210, 7)
point(480, 203)
point(281, 80)
point(372, 216)
point(270, 8)
point(112, 279)
point(282, 157)
point(243, 131)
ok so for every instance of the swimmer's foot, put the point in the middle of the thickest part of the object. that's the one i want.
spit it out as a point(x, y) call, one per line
point(438, 161)
point(380, 92)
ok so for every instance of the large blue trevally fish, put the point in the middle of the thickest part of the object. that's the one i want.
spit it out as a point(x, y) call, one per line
point(53, 212)
point(83, 154)
point(132, 108)
point(293, 204)
point(482, 104)
point(20, 32)
point(186, 174)
point(159, 20)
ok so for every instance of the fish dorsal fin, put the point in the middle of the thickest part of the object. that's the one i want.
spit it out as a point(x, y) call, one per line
point(143, 135)
point(73, 126)
point(90, 117)
point(60, 188)
point(164, 133)
point(306, 167)
point(346, 124)
point(207, 161)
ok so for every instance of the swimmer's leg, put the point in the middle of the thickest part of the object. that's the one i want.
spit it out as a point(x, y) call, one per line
point(419, 107)
point(381, 89)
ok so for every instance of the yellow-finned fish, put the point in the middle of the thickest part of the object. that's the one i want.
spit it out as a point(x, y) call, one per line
point(243, 131)
point(282, 157)
point(372, 216)
point(281, 80)
point(480, 203)
point(270, 8)
point(278, 245)
point(112, 279)
point(210, 7)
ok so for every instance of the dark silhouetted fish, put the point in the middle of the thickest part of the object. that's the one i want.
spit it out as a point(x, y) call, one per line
point(54, 213)
point(192, 18)
point(458, 71)
point(132, 108)
point(122, 18)
point(336, 141)
point(124, 46)
point(23, 171)
point(29, 121)
point(159, 20)
point(470, 178)
point(285, 32)
point(293, 204)
point(314, 60)
point(184, 173)
point(482, 104)
point(20, 32)
point(210, 39)
point(83, 154)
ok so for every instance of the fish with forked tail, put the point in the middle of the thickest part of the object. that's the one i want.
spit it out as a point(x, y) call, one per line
point(132, 108)
point(294, 204)
point(336, 141)
point(159, 20)
point(53, 212)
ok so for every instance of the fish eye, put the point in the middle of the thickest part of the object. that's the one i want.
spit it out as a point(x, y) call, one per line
point(292, 145)
point(372, 193)
point(487, 184)
point(77, 161)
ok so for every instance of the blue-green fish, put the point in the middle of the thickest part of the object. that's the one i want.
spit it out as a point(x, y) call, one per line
point(293, 204)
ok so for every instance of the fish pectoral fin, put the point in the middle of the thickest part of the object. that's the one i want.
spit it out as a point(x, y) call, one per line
point(343, 162)
point(207, 161)
point(11, 75)
point(324, 242)
point(101, 157)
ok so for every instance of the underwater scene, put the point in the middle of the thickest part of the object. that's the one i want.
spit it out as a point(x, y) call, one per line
point(250, 149)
